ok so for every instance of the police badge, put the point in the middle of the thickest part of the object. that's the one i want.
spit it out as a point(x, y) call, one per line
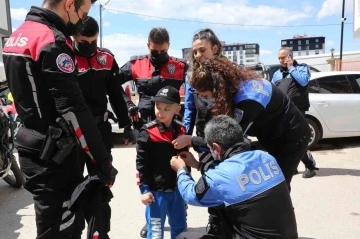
point(171, 69)
point(101, 59)
point(238, 114)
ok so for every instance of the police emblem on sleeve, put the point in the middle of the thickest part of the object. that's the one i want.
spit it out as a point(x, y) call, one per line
point(201, 188)
point(101, 59)
point(65, 63)
point(171, 69)
point(238, 115)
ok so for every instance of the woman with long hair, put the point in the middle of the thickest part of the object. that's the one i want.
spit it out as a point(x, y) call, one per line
point(262, 109)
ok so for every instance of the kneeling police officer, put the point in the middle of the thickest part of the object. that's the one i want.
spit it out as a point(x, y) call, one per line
point(247, 186)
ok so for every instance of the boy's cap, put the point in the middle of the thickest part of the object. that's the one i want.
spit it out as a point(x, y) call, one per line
point(167, 95)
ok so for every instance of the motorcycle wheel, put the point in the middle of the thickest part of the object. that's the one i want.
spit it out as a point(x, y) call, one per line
point(15, 178)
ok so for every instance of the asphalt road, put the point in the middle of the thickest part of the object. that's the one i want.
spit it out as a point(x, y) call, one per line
point(327, 206)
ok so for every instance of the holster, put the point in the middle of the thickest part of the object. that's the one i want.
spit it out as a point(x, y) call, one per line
point(55, 146)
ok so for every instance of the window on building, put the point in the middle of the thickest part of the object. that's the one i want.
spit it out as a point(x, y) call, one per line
point(252, 46)
point(241, 47)
point(241, 62)
point(250, 55)
point(234, 48)
point(283, 43)
point(316, 40)
point(250, 61)
point(234, 53)
point(291, 42)
point(229, 57)
point(307, 42)
point(307, 47)
point(299, 42)
point(234, 58)
point(299, 48)
point(291, 47)
point(250, 51)
point(316, 46)
point(317, 52)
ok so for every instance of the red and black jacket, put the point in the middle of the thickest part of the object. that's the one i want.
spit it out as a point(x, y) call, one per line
point(154, 152)
point(98, 78)
point(41, 69)
point(150, 78)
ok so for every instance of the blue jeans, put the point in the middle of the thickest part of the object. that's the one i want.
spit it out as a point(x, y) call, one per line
point(168, 204)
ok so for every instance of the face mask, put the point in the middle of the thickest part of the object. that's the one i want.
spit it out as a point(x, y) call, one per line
point(159, 59)
point(86, 49)
point(71, 28)
point(208, 101)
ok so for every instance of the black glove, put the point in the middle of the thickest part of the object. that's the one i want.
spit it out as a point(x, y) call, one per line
point(129, 136)
point(107, 173)
point(133, 110)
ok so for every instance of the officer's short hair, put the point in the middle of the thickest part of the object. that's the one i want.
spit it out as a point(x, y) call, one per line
point(53, 3)
point(224, 131)
point(90, 28)
point(159, 35)
point(288, 49)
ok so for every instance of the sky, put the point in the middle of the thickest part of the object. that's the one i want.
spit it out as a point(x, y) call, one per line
point(126, 23)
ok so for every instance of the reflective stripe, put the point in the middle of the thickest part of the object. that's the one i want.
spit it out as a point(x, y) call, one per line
point(33, 87)
point(67, 224)
point(65, 214)
point(66, 203)
point(16, 54)
point(70, 117)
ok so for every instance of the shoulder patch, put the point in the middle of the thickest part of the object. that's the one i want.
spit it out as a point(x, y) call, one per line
point(134, 58)
point(101, 59)
point(201, 188)
point(65, 63)
point(150, 124)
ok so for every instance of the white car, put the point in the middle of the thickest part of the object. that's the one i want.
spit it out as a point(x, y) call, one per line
point(334, 105)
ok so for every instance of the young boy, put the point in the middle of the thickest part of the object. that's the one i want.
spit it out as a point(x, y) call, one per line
point(157, 181)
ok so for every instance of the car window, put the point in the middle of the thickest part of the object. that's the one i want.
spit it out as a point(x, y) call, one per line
point(313, 87)
point(355, 82)
point(334, 84)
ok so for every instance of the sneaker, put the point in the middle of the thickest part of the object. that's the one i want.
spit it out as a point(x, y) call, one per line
point(309, 173)
point(144, 231)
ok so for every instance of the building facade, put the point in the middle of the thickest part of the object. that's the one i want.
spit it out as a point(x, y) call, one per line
point(304, 45)
point(239, 53)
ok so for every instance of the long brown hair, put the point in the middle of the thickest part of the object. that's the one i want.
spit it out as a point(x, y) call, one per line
point(223, 78)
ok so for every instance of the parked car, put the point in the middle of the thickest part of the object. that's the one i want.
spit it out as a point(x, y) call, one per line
point(334, 105)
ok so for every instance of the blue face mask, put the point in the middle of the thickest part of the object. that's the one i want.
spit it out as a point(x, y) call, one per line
point(207, 101)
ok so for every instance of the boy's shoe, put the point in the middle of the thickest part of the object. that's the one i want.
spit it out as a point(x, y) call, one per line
point(144, 231)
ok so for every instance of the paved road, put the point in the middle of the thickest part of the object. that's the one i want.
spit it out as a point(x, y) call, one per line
point(326, 206)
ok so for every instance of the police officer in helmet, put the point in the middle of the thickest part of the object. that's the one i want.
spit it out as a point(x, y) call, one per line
point(248, 186)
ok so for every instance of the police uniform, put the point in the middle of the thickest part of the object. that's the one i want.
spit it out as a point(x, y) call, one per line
point(41, 71)
point(294, 81)
point(154, 152)
point(252, 191)
point(265, 112)
point(150, 78)
point(99, 78)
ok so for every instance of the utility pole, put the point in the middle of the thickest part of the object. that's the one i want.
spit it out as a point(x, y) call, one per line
point(101, 6)
point(343, 19)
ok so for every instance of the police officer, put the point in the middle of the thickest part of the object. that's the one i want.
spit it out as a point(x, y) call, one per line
point(40, 67)
point(205, 45)
point(248, 185)
point(262, 110)
point(293, 79)
point(151, 73)
point(99, 78)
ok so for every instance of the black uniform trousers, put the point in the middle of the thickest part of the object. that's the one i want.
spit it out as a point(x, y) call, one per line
point(96, 206)
point(52, 185)
point(305, 159)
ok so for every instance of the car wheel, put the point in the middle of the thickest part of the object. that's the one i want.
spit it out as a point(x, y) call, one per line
point(315, 133)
